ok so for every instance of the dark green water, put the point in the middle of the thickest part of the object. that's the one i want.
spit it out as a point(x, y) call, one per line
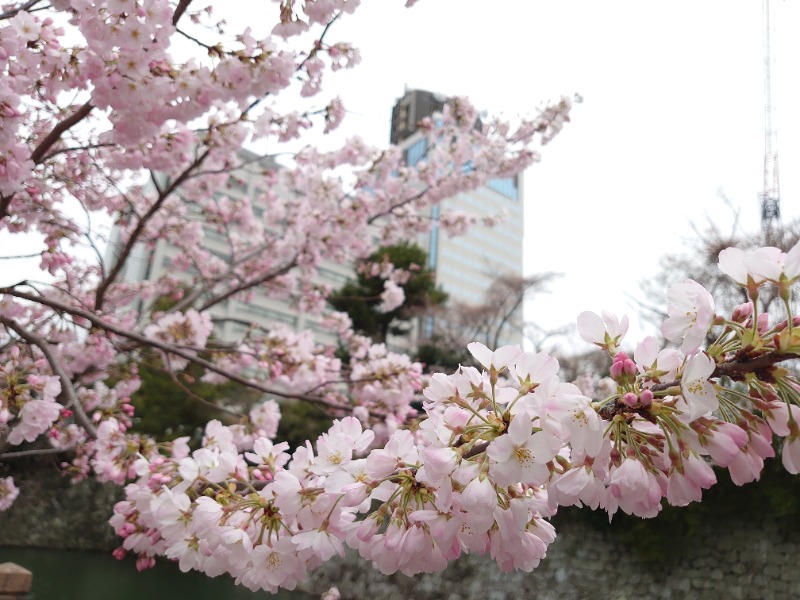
point(80, 575)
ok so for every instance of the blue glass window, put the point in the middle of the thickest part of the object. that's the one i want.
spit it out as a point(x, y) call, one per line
point(506, 186)
point(416, 152)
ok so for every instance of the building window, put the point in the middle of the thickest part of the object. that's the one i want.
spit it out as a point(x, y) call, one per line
point(268, 314)
point(416, 152)
point(506, 186)
point(433, 249)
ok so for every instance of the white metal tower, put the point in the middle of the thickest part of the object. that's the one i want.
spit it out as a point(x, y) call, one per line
point(770, 195)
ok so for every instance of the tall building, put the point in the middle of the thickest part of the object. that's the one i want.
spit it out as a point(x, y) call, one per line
point(233, 316)
point(466, 266)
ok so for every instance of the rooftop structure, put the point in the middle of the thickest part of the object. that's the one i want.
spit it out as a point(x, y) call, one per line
point(467, 265)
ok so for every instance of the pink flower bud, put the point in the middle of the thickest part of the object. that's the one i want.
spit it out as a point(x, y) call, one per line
point(742, 312)
point(630, 399)
point(616, 369)
point(646, 398)
point(145, 562)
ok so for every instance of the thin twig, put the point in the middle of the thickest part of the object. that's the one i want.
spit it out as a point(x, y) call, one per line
point(32, 255)
point(21, 8)
point(36, 452)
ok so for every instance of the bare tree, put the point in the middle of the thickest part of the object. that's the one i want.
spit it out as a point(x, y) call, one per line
point(495, 320)
point(699, 261)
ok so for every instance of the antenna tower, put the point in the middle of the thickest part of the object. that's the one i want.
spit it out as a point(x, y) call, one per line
point(770, 196)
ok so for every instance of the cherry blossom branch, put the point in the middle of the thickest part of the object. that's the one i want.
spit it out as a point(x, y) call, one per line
point(392, 208)
point(38, 155)
point(39, 152)
point(168, 348)
point(736, 369)
point(58, 151)
point(21, 8)
point(200, 399)
point(195, 40)
point(66, 383)
point(248, 285)
point(475, 450)
point(309, 56)
point(31, 255)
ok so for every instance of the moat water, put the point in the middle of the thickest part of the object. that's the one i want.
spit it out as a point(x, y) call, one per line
point(80, 575)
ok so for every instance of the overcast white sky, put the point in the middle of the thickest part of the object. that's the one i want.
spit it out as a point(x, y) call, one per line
point(672, 113)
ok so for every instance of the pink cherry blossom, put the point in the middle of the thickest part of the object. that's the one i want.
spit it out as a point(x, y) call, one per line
point(498, 359)
point(8, 493)
point(699, 394)
point(606, 331)
point(521, 455)
point(691, 314)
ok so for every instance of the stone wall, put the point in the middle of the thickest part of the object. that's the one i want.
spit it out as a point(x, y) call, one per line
point(745, 559)
point(51, 512)
point(745, 552)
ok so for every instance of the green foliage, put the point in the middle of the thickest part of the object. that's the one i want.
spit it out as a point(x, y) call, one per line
point(301, 421)
point(360, 298)
point(439, 356)
point(166, 408)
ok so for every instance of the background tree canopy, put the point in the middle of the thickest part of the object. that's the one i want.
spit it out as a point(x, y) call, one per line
point(361, 298)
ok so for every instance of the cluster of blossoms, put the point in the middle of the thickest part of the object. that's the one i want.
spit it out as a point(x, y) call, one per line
point(393, 295)
point(28, 401)
point(101, 114)
point(499, 450)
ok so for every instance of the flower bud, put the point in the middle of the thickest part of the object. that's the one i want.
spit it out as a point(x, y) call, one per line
point(646, 397)
point(630, 399)
point(742, 312)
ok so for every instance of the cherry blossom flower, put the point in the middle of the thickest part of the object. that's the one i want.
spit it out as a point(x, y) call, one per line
point(691, 314)
point(790, 454)
point(8, 493)
point(699, 394)
point(498, 360)
point(392, 297)
point(521, 455)
point(606, 331)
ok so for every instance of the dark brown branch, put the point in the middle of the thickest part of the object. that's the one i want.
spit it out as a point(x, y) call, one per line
point(475, 450)
point(37, 452)
point(179, 10)
point(736, 369)
point(58, 370)
point(9, 14)
point(168, 348)
point(79, 115)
